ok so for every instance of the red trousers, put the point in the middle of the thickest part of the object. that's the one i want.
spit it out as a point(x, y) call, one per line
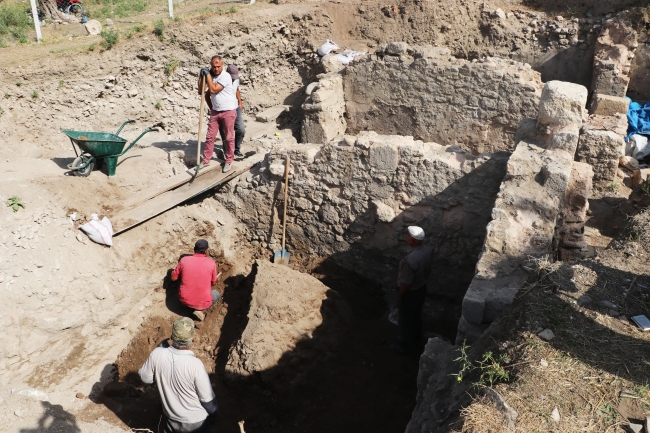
point(225, 120)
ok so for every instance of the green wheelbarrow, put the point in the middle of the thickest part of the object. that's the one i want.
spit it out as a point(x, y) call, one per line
point(98, 147)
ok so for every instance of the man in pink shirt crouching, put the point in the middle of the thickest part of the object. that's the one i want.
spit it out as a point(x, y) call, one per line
point(198, 274)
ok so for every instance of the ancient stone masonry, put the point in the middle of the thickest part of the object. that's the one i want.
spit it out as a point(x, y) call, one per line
point(601, 143)
point(324, 109)
point(352, 202)
point(614, 51)
point(571, 225)
point(601, 149)
point(527, 207)
point(422, 91)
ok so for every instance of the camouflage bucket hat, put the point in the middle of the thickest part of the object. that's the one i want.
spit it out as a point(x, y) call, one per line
point(183, 330)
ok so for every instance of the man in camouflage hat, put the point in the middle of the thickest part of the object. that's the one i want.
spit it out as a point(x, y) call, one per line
point(189, 403)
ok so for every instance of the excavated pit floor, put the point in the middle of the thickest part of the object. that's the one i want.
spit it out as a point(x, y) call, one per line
point(359, 386)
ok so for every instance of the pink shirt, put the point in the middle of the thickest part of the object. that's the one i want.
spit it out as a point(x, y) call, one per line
point(197, 273)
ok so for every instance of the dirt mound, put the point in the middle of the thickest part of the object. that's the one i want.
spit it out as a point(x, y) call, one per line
point(287, 309)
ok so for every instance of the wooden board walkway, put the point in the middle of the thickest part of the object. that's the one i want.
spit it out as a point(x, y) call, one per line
point(153, 202)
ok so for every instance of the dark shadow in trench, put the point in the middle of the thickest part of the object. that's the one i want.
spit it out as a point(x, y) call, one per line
point(344, 378)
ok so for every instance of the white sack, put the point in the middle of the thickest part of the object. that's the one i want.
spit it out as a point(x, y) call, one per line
point(637, 146)
point(327, 48)
point(98, 231)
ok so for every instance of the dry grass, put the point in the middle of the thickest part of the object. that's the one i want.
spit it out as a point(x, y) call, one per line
point(482, 417)
point(596, 369)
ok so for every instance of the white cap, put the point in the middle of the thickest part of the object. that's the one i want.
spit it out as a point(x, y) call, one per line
point(416, 232)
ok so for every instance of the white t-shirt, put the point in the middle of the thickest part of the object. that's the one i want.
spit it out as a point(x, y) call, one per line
point(235, 84)
point(182, 383)
point(226, 99)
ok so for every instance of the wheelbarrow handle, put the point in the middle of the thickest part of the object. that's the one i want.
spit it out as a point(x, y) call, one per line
point(123, 125)
point(136, 140)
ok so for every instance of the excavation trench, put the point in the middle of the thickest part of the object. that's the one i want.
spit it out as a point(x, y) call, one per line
point(341, 379)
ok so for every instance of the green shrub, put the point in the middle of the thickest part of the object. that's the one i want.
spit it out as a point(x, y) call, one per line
point(171, 66)
point(110, 38)
point(134, 30)
point(114, 8)
point(159, 29)
point(13, 16)
point(34, 94)
point(19, 34)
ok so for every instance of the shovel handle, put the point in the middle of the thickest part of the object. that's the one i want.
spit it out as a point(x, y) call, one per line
point(198, 139)
point(286, 196)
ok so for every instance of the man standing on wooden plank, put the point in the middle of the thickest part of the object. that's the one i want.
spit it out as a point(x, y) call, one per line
point(198, 273)
point(240, 127)
point(223, 110)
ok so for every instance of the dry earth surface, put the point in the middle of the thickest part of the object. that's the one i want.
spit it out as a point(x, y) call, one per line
point(77, 316)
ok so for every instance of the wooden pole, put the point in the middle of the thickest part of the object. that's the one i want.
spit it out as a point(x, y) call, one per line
point(198, 140)
point(37, 22)
point(286, 197)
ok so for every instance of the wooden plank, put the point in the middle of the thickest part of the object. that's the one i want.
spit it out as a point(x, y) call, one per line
point(163, 202)
point(169, 183)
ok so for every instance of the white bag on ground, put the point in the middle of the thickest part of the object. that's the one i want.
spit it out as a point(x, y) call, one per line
point(327, 48)
point(98, 231)
point(637, 146)
point(348, 56)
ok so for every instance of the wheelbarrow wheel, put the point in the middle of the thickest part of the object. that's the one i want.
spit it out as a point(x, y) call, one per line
point(79, 161)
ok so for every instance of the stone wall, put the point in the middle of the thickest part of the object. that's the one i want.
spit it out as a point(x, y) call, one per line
point(352, 203)
point(422, 91)
point(324, 109)
point(527, 207)
point(570, 232)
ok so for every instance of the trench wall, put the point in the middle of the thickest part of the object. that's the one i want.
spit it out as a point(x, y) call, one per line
point(422, 91)
point(353, 202)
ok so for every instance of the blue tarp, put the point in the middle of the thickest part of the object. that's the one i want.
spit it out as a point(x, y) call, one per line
point(638, 119)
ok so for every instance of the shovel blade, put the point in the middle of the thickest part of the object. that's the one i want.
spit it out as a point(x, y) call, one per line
point(281, 257)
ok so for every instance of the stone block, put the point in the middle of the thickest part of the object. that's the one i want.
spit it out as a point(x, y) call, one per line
point(564, 140)
point(383, 212)
point(271, 114)
point(526, 131)
point(606, 105)
point(601, 150)
point(383, 156)
point(640, 176)
point(469, 332)
point(397, 48)
point(487, 298)
point(562, 104)
point(93, 27)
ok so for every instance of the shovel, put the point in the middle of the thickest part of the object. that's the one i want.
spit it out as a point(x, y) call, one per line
point(198, 140)
point(282, 256)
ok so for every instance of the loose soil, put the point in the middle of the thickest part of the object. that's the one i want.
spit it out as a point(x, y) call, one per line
point(359, 386)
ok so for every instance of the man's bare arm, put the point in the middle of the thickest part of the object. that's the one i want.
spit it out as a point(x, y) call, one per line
point(213, 88)
point(241, 104)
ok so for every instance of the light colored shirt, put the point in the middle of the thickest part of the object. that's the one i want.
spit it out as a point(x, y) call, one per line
point(235, 84)
point(182, 383)
point(197, 273)
point(415, 268)
point(225, 100)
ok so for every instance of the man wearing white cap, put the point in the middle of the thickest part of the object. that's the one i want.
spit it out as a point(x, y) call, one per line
point(414, 271)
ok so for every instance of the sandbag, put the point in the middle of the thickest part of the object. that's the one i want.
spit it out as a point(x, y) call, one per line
point(327, 48)
point(638, 146)
point(98, 231)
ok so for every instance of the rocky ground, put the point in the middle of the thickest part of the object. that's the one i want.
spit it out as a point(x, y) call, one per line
point(71, 307)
